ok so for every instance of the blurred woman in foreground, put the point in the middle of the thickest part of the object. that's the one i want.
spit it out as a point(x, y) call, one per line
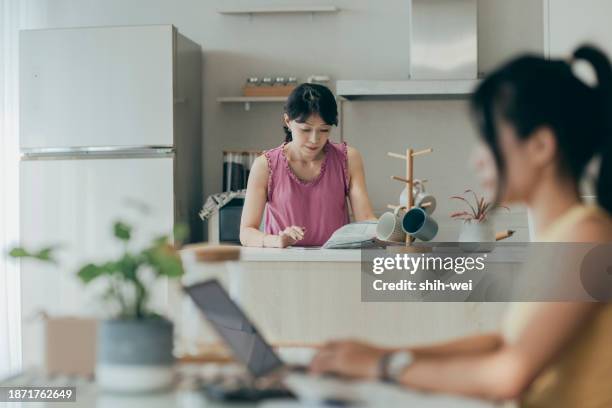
point(541, 125)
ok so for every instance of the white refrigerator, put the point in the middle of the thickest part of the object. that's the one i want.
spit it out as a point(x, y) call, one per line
point(108, 116)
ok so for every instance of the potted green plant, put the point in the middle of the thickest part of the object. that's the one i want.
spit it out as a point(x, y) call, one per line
point(134, 346)
point(477, 226)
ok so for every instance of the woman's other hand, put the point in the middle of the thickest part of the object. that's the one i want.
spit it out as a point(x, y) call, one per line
point(348, 359)
point(291, 235)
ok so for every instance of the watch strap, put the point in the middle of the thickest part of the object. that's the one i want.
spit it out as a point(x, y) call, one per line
point(383, 368)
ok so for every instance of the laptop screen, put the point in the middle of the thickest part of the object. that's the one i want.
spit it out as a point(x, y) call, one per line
point(245, 342)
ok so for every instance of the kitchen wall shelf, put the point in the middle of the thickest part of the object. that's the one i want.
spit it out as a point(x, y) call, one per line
point(247, 100)
point(408, 89)
point(280, 10)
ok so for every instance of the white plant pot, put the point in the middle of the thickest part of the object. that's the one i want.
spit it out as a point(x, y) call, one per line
point(477, 236)
point(135, 355)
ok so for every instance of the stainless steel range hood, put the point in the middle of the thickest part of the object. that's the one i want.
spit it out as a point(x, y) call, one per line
point(443, 55)
point(443, 43)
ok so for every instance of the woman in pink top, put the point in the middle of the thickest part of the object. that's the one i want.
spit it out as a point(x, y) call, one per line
point(303, 185)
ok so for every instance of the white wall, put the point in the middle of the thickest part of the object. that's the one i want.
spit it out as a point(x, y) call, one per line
point(367, 39)
point(571, 24)
point(565, 29)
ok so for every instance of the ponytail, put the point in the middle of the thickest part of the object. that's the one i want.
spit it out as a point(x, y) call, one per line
point(603, 106)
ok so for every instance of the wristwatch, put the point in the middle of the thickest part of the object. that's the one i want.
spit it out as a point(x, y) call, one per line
point(393, 365)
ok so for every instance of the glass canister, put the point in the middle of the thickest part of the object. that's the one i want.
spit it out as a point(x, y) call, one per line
point(203, 262)
point(233, 171)
point(252, 81)
point(236, 168)
point(267, 81)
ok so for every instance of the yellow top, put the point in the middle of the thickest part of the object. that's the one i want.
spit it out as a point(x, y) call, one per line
point(582, 375)
point(566, 224)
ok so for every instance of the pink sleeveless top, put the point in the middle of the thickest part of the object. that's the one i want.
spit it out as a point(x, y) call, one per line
point(318, 205)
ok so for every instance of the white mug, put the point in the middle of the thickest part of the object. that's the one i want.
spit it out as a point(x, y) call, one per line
point(425, 201)
point(389, 227)
point(421, 198)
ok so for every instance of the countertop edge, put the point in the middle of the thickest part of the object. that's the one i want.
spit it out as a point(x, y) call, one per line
point(251, 254)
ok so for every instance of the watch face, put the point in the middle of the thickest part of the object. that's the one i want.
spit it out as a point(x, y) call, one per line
point(399, 362)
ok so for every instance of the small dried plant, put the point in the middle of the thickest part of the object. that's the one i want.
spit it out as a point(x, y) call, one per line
point(478, 211)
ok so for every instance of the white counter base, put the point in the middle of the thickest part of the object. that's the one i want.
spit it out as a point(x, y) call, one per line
point(309, 296)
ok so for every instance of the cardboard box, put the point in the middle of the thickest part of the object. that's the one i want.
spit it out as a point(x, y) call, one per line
point(70, 346)
point(267, 90)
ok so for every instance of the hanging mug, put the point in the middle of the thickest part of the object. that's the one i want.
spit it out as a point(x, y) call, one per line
point(421, 198)
point(419, 224)
point(389, 227)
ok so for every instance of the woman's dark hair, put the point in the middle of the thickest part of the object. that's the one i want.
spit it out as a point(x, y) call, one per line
point(531, 92)
point(309, 99)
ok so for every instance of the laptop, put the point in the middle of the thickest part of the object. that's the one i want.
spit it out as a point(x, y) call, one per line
point(269, 376)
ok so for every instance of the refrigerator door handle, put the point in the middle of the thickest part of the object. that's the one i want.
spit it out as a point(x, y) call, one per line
point(96, 152)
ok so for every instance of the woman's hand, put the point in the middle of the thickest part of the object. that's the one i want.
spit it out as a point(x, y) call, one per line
point(290, 236)
point(349, 359)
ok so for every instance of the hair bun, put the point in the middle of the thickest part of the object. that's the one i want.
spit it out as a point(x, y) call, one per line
point(600, 64)
point(310, 94)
